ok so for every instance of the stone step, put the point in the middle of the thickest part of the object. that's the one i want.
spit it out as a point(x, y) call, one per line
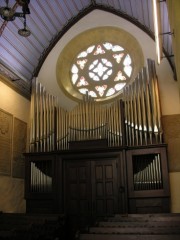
point(128, 237)
point(138, 224)
point(134, 230)
point(144, 218)
point(136, 215)
point(135, 227)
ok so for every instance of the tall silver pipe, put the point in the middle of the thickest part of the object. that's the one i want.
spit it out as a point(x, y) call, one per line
point(32, 117)
point(132, 114)
point(129, 116)
point(148, 107)
point(126, 114)
point(138, 87)
point(157, 100)
point(135, 114)
point(143, 109)
point(153, 101)
point(37, 112)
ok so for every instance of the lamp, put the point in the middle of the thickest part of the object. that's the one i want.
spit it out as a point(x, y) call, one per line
point(8, 14)
point(24, 32)
point(23, 2)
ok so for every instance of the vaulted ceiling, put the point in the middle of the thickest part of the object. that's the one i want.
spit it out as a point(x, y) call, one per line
point(21, 58)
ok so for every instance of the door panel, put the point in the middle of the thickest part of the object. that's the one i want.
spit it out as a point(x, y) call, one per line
point(104, 187)
point(78, 190)
point(91, 189)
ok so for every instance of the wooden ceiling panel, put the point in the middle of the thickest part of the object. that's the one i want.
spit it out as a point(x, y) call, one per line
point(49, 20)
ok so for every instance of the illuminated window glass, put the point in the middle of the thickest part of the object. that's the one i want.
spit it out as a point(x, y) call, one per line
point(101, 70)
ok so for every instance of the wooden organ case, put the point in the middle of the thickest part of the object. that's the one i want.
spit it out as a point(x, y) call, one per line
point(98, 160)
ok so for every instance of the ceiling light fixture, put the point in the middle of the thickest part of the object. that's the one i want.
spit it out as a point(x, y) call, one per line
point(24, 32)
point(8, 14)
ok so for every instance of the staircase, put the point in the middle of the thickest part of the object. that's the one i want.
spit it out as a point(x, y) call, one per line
point(135, 227)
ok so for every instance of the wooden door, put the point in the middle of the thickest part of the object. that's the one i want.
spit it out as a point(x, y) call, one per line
point(90, 189)
point(104, 187)
point(78, 190)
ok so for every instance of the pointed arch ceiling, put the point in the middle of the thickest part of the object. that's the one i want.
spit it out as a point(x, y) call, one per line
point(21, 58)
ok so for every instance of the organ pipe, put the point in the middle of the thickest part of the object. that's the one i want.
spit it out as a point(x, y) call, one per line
point(52, 127)
point(141, 99)
point(41, 177)
point(147, 172)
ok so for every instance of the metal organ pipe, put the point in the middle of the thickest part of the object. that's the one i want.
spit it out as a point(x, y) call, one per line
point(147, 172)
point(42, 127)
point(51, 127)
point(40, 180)
point(142, 108)
point(32, 118)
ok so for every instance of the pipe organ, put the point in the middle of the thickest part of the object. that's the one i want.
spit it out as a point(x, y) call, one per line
point(147, 172)
point(124, 169)
point(138, 111)
point(42, 129)
point(41, 176)
point(142, 109)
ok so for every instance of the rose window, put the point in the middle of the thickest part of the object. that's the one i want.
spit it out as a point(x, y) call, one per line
point(101, 70)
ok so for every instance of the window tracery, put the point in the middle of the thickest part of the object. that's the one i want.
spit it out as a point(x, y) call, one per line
point(101, 70)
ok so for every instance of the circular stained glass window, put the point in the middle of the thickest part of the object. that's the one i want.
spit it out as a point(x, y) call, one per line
point(101, 70)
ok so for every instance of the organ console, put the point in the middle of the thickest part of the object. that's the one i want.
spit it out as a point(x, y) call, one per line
point(134, 158)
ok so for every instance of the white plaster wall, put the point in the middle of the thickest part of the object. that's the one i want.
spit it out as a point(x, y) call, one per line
point(168, 87)
point(14, 103)
point(175, 193)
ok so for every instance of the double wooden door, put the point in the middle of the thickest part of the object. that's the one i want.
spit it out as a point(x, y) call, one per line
point(91, 188)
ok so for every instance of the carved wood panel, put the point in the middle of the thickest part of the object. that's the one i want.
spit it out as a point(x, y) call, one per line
point(90, 189)
point(78, 192)
point(104, 187)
